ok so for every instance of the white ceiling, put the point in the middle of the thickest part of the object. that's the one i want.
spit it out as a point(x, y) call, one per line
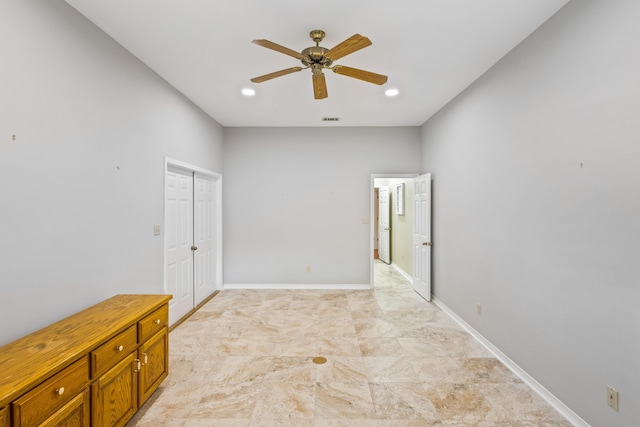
point(430, 49)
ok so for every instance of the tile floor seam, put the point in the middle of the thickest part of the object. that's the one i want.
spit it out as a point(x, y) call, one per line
point(243, 333)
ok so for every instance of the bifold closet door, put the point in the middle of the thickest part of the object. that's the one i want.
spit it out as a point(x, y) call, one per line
point(205, 237)
point(179, 241)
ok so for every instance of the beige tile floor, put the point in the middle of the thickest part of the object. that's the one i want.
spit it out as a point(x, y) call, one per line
point(393, 360)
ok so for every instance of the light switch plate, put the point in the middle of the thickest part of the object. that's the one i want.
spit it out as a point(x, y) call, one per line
point(612, 397)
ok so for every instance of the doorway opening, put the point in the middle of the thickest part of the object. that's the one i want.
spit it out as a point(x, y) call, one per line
point(392, 228)
point(403, 237)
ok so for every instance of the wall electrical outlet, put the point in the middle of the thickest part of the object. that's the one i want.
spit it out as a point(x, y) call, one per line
point(612, 397)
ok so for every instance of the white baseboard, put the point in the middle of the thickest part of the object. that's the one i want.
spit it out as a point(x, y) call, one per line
point(556, 403)
point(314, 286)
point(401, 271)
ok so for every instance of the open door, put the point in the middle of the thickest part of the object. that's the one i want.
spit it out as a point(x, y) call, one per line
point(422, 236)
point(384, 226)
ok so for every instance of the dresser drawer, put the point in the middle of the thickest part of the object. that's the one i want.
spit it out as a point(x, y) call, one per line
point(76, 413)
point(113, 351)
point(152, 323)
point(38, 404)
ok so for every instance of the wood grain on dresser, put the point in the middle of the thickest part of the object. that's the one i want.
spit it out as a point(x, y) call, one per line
point(4, 417)
point(43, 400)
point(46, 377)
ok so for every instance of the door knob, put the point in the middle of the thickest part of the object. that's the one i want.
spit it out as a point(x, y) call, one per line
point(194, 248)
point(427, 244)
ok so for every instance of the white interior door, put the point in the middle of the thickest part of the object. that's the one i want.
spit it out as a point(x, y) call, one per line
point(205, 237)
point(384, 227)
point(179, 239)
point(422, 236)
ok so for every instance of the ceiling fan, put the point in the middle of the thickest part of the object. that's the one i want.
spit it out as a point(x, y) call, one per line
point(318, 58)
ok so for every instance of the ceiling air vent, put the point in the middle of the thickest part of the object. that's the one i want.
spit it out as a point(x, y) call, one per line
point(331, 119)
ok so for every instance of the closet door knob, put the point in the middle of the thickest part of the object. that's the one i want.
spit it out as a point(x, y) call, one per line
point(194, 248)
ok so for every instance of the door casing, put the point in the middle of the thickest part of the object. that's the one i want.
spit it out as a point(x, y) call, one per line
point(217, 226)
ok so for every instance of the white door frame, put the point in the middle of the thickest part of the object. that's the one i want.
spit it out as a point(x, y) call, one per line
point(372, 213)
point(218, 182)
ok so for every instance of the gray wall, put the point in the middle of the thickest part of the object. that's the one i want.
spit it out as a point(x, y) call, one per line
point(82, 185)
point(296, 197)
point(537, 206)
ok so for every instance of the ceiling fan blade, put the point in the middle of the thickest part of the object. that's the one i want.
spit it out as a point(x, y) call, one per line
point(275, 74)
point(350, 45)
point(319, 86)
point(278, 48)
point(367, 76)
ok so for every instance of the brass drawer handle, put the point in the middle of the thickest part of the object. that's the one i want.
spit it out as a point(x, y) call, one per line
point(157, 321)
point(60, 391)
point(120, 348)
point(137, 368)
point(145, 359)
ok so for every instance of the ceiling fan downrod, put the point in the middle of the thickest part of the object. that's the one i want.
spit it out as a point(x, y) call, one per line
point(316, 54)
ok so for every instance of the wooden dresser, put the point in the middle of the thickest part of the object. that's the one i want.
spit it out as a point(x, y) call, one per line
point(94, 368)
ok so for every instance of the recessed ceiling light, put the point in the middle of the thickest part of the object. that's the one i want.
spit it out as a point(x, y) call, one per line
point(248, 92)
point(391, 92)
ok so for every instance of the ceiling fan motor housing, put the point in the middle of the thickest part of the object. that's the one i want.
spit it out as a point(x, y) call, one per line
point(315, 55)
